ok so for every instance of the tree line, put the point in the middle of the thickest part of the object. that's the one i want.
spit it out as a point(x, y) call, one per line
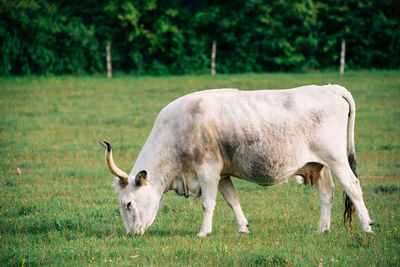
point(175, 36)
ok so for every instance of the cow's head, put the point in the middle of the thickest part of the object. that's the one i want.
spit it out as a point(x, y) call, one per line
point(139, 200)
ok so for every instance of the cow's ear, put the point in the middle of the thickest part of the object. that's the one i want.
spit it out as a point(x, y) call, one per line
point(140, 179)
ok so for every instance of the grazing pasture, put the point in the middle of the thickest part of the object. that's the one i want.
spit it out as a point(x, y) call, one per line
point(57, 206)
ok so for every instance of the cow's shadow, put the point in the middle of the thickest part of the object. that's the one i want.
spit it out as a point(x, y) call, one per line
point(162, 232)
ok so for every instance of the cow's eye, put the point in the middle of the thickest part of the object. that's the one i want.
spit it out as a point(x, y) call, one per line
point(128, 206)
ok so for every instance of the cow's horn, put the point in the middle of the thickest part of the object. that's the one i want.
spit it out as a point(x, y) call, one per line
point(123, 177)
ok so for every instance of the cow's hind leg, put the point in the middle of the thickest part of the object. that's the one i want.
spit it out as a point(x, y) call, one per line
point(229, 193)
point(351, 186)
point(209, 176)
point(326, 189)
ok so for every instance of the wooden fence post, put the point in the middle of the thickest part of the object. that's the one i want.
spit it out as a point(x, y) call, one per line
point(342, 56)
point(213, 55)
point(109, 68)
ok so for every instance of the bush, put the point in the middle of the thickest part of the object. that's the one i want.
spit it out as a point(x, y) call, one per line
point(165, 36)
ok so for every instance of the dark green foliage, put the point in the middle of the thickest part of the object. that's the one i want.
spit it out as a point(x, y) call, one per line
point(165, 36)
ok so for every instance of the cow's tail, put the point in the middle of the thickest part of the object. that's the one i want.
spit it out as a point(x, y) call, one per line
point(349, 209)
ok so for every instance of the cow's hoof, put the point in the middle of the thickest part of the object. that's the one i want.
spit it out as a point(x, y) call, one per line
point(323, 231)
point(367, 229)
point(243, 228)
point(201, 234)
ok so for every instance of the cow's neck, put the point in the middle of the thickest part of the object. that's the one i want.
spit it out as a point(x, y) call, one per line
point(185, 184)
point(179, 185)
point(159, 165)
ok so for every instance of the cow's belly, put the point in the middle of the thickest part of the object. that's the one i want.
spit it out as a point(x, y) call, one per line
point(261, 179)
point(264, 151)
point(262, 173)
point(265, 168)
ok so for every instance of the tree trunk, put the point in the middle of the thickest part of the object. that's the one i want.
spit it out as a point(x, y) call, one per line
point(109, 68)
point(342, 56)
point(213, 55)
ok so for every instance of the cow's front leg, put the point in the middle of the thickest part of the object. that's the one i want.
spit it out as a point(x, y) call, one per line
point(209, 196)
point(229, 193)
point(208, 179)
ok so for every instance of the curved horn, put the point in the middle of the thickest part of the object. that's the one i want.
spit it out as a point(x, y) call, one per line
point(123, 177)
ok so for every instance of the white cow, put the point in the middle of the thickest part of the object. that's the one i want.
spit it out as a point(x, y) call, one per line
point(202, 139)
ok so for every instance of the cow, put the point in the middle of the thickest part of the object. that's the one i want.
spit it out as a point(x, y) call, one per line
point(199, 141)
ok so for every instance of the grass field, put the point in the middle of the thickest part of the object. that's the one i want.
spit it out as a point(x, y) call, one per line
point(58, 208)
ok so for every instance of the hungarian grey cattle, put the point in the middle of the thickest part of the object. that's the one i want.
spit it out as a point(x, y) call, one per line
point(202, 139)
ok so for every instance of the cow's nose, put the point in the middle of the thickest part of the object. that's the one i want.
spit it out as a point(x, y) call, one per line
point(129, 234)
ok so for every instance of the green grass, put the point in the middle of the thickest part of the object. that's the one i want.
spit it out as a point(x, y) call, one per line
point(62, 210)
